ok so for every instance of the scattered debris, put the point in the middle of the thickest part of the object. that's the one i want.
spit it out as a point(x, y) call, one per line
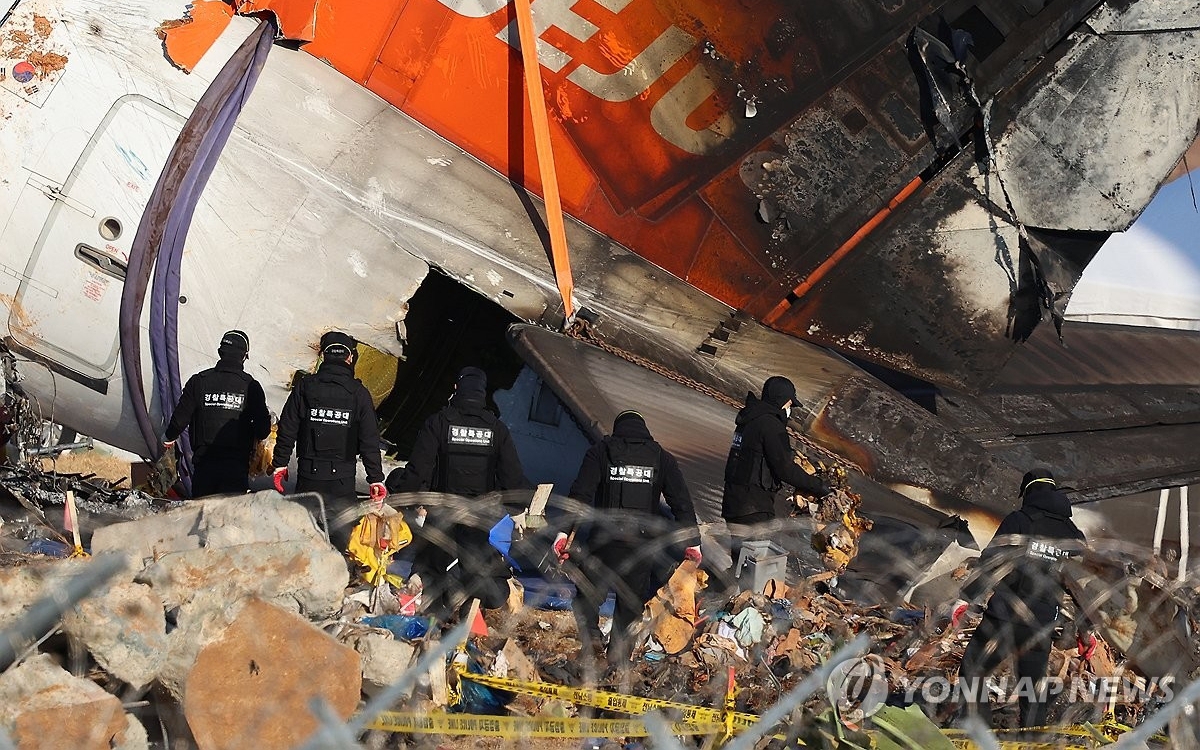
point(236, 613)
point(837, 525)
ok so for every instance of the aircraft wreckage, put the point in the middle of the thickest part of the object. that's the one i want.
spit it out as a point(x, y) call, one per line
point(881, 201)
point(890, 203)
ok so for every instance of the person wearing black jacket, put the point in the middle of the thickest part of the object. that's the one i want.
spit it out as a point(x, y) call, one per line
point(761, 461)
point(1023, 564)
point(622, 477)
point(329, 419)
point(466, 450)
point(225, 413)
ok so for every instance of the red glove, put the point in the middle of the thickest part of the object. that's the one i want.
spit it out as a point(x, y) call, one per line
point(1087, 645)
point(379, 493)
point(280, 476)
point(693, 553)
point(958, 612)
point(560, 547)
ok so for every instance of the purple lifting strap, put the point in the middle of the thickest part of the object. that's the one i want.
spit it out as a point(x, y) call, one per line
point(158, 245)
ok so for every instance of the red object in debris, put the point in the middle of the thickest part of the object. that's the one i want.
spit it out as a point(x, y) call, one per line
point(479, 626)
point(408, 604)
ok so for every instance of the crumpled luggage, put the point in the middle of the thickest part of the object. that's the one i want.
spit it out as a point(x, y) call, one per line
point(375, 540)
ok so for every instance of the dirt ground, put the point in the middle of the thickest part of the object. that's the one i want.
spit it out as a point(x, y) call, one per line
point(94, 461)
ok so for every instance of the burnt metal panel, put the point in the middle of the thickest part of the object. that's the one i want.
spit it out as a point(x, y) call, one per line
point(908, 447)
point(904, 449)
point(596, 386)
point(935, 293)
point(1146, 15)
point(1105, 463)
point(972, 263)
point(1113, 107)
point(1104, 354)
point(1114, 411)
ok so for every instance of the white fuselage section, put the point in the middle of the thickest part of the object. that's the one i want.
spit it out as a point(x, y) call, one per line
point(326, 210)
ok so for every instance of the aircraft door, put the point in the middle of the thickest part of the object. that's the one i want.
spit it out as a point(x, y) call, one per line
point(67, 304)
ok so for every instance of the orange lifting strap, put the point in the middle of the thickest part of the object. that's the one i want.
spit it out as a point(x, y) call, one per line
point(545, 154)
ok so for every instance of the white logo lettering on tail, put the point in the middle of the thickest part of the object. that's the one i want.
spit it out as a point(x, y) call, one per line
point(668, 116)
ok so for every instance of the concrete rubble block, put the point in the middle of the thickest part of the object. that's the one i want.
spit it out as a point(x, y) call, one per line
point(147, 537)
point(261, 517)
point(43, 706)
point(384, 659)
point(299, 574)
point(124, 629)
point(198, 623)
point(254, 685)
point(216, 522)
point(135, 738)
point(20, 587)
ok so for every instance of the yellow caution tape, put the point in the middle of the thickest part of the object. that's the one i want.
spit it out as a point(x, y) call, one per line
point(523, 726)
point(626, 704)
point(537, 726)
point(695, 720)
point(1109, 729)
point(1014, 745)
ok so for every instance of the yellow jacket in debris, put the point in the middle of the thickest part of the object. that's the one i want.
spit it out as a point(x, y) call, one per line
point(375, 540)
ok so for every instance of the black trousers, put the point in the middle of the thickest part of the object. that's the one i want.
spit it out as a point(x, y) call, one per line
point(740, 529)
point(994, 640)
point(339, 495)
point(480, 573)
point(618, 566)
point(220, 476)
point(431, 552)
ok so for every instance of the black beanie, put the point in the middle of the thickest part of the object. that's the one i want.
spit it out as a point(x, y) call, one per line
point(472, 381)
point(234, 345)
point(1039, 476)
point(778, 390)
point(626, 416)
point(338, 345)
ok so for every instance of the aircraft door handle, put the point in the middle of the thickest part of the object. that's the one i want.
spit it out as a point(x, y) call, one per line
point(54, 192)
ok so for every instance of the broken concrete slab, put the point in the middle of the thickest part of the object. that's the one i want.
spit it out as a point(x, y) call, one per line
point(261, 517)
point(20, 587)
point(43, 706)
point(217, 522)
point(201, 621)
point(297, 574)
point(24, 586)
point(135, 737)
point(384, 659)
point(254, 685)
point(124, 629)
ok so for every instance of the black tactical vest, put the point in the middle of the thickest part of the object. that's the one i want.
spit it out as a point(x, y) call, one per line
point(632, 478)
point(467, 455)
point(1040, 567)
point(748, 466)
point(328, 438)
point(217, 427)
